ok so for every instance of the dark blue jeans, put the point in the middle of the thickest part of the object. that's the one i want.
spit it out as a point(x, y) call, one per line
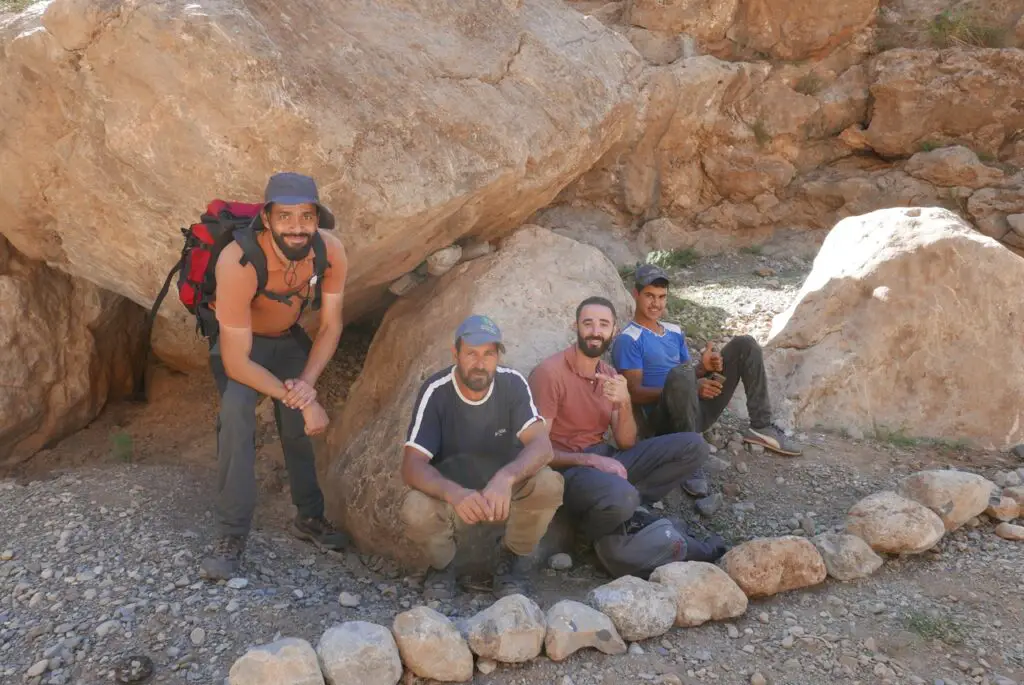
point(599, 501)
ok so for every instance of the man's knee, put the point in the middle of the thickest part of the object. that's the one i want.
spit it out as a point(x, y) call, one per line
point(681, 376)
point(747, 345)
point(423, 513)
point(621, 504)
point(685, 447)
point(546, 489)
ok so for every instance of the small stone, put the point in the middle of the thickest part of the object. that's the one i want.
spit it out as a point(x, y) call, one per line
point(431, 647)
point(442, 261)
point(197, 636)
point(560, 562)
point(732, 631)
point(639, 609)
point(7, 555)
point(289, 660)
point(763, 617)
point(238, 583)
point(787, 642)
point(105, 628)
point(635, 649)
point(1003, 509)
point(871, 645)
point(38, 668)
point(232, 606)
point(511, 630)
point(572, 626)
point(349, 600)
point(703, 592)
point(359, 652)
point(756, 449)
point(742, 467)
point(1009, 531)
point(758, 679)
point(486, 666)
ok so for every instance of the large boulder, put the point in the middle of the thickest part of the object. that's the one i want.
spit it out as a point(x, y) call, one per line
point(956, 496)
point(897, 316)
point(530, 286)
point(423, 122)
point(933, 97)
point(69, 347)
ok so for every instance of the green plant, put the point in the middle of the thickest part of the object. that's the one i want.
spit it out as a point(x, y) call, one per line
point(753, 249)
point(950, 28)
point(934, 627)
point(929, 145)
point(897, 438)
point(809, 84)
point(673, 258)
point(15, 5)
point(699, 322)
point(121, 447)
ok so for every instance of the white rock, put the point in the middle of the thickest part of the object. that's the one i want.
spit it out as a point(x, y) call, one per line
point(1009, 531)
point(289, 660)
point(703, 592)
point(442, 261)
point(560, 562)
point(105, 628)
point(486, 666)
point(638, 608)
point(38, 668)
point(197, 636)
point(431, 646)
point(847, 557)
point(359, 653)
point(511, 630)
point(892, 524)
point(573, 626)
point(238, 583)
point(349, 600)
point(956, 496)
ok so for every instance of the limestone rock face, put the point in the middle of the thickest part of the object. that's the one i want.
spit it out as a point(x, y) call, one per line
point(798, 29)
point(69, 347)
point(879, 335)
point(941, 97)
point(422, 122)
point(530, 287)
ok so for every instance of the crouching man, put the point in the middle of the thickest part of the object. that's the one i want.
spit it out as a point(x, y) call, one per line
point(477, 452)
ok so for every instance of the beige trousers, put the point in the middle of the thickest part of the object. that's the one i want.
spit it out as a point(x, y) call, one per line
point(433, 524)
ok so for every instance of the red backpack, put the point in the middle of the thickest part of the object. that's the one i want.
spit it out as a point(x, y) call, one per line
point(222, 223)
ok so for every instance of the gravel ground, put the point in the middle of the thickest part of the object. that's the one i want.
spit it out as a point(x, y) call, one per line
point(99, 555)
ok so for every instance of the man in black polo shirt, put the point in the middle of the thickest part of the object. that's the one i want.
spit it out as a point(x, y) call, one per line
point(477, 452)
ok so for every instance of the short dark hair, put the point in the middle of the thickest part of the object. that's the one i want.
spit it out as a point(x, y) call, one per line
point(595, 299)
point(657, 283)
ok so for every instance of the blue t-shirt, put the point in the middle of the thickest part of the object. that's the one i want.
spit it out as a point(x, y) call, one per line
point(639, 348)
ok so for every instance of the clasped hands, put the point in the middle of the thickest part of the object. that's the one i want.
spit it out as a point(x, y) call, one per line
point(302, 396)
point(488, 505)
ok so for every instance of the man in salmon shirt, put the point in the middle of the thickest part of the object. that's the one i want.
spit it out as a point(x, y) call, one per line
point(261, 350)
point(580, 397)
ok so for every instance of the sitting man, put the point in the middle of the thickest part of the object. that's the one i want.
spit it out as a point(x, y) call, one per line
point(676, 396)
point(477, 452)
point(581, 396)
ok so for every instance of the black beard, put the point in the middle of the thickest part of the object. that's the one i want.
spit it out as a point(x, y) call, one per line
point(293, 254)
point(477, 381)
point(581, 343)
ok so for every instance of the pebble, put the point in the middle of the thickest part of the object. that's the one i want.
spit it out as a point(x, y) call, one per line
point(38, 668)
point(560, 562)
point(6, 555)
point(486, 666)
point(349, 600)
point(232, 606)
point(742, 467)
point(787, 642)
point(733, 632)
point(197, 636)
point(238, 583)
point(106, 627)
point(758, 679)
point(635, 649)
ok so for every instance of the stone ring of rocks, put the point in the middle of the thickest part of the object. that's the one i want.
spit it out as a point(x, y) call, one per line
point(134, 669)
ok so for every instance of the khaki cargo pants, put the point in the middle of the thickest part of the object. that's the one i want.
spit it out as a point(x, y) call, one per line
point(434, 525)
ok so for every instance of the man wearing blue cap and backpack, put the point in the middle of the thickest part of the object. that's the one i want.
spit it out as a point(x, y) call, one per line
point(248, 282)
point(477, 451)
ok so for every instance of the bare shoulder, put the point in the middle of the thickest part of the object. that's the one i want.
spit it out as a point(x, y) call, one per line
point(231, 271)
point(335, 248)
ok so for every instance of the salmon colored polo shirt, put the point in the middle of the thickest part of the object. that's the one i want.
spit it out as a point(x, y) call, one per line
point(235, 306)
point(573, 404)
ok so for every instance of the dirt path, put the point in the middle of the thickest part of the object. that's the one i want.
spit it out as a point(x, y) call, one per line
point(105, 547)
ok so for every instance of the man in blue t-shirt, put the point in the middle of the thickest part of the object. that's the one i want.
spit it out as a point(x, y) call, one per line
point(477, 451)
point(678, 394)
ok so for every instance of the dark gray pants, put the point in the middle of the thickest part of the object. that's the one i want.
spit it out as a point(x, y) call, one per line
point(285, 357)
point(599, 502)
point(680, 409)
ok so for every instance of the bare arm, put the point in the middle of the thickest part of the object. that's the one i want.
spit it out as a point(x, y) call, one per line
point(235, 347)
point(624, 426)
point(564, 460)
point(535, 455)
point(327, 337)
point(638, 392)
point(419, 474)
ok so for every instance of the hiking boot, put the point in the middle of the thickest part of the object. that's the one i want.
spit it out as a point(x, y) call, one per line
point(320, 532)
point(772, 438)
point(697, 484)
point(709, 550)
point(440, 584)
point(511, 574)
point(224, 562)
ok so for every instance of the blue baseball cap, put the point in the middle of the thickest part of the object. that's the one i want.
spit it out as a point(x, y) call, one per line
point(646, 274)
point(288, 188)
point(479, 330)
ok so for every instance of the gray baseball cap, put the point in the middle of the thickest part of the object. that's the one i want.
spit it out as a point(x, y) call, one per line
point(288, 188)
point(647, 274)
point(478, 329)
